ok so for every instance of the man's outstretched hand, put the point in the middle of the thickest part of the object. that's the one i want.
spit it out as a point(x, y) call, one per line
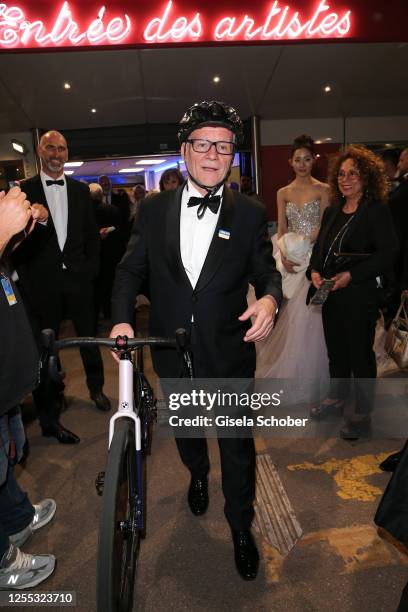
point(264, 311)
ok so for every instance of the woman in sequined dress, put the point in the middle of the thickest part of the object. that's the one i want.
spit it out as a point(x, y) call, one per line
point(296, 349)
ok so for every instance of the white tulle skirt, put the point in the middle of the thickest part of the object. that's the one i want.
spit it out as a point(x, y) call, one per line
point(296, 347)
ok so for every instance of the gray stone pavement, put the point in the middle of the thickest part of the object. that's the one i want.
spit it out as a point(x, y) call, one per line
point(186, 563)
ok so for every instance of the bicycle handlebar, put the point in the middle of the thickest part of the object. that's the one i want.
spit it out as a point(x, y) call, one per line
point(120, 344)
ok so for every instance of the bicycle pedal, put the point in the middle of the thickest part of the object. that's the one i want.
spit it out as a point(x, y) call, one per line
point(99, 483)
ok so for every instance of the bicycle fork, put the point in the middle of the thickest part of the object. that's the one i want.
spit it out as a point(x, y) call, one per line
point(126, 410)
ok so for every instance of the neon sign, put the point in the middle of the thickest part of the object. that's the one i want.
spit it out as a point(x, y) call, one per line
point(17, 31)
point(47, 24)
point(281, 23)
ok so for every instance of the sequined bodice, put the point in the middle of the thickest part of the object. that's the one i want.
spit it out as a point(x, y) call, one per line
point(303, 220)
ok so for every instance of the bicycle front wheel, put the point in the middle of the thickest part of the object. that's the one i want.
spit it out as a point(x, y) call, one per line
point(119, 538)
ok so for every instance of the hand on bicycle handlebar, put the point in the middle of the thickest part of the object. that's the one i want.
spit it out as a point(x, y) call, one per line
point(121, 329)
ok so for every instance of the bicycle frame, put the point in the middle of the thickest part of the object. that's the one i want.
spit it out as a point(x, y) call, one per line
point(125, 405)
point(126, 409)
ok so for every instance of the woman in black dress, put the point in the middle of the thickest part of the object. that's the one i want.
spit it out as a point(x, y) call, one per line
point(355, 246)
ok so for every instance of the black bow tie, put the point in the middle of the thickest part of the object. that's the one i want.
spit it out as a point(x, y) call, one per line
point(208, 201)
point(60, 183)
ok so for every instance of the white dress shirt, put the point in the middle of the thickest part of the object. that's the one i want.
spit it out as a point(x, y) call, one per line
point(57, 200)
point(195, 234)
point(107, 197)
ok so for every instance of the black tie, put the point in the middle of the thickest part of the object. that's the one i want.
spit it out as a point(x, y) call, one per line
point(208, 201)
point(60, 183)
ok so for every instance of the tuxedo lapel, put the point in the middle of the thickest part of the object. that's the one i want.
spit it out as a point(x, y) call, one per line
point(172, 247)
point(219, 245)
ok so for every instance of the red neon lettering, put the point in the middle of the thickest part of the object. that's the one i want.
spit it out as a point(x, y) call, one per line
point(228, 24)
point(16, 29)
point(274, 11)
point(322, 7)
point(281, 22)
point(160, 29)
point(343, 27)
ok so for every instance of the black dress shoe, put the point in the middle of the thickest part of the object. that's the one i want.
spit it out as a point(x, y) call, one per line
point(101, 401)
point(324, 410)
point(354, 430)
point(246, 554)
point(198, 495)
point(64, 436)
point(390, 463)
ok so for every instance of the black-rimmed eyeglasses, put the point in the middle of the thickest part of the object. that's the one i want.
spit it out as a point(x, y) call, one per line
point(223, 147)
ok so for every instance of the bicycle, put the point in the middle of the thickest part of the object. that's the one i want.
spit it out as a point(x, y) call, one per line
point(122, 523)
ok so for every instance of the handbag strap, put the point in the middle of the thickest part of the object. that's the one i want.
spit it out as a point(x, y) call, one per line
point(342, 232)
point(402, 309)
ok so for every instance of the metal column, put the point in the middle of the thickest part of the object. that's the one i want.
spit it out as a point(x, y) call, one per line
point(256, 153)
point(36, 141)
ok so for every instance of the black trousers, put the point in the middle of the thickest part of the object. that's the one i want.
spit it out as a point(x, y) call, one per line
point(349, 320)
point(103, 292)
point(237, 457)
point(237, 472)
point(76, 302)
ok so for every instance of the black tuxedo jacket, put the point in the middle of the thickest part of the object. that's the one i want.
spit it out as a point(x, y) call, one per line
point(398, 202)
point(219, 297)
point(39, 260)
point(370, 231)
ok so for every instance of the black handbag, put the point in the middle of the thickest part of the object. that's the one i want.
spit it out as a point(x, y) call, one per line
point(342, 262)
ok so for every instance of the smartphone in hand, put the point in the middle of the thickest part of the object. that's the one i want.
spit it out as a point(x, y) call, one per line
point(322, 293)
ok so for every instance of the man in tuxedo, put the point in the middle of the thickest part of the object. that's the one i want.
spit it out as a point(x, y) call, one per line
point(398, 201)
point(199, 246)
point(56, 266)
point(112, 216)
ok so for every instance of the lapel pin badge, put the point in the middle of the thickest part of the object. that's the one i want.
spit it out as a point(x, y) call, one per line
point(223, 234)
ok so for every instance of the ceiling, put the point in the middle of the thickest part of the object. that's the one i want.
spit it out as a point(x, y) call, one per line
point(136, 86)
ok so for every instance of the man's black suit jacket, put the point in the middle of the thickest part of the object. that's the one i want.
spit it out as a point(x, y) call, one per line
point(398, 202)
point(219, 297)
point(39, 260)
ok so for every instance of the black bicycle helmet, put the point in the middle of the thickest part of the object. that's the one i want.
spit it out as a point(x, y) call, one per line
point(213, 113)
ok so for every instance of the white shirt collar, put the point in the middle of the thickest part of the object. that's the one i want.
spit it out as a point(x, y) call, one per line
point(46, 177)
point(193, 191)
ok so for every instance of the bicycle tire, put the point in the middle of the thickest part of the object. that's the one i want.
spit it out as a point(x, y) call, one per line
point(140, 387)
point(118, 548)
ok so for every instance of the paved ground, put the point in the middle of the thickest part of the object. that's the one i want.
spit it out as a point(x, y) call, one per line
point(339, 565)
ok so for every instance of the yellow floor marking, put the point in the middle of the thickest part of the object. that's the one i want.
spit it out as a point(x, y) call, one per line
point(273, 562)
point(350, 475)
point(359, 547)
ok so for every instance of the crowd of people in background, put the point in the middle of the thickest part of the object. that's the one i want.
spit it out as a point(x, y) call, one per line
point(351, 231)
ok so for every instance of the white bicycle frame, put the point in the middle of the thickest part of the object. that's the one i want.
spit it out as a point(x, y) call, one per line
point(125, 406)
